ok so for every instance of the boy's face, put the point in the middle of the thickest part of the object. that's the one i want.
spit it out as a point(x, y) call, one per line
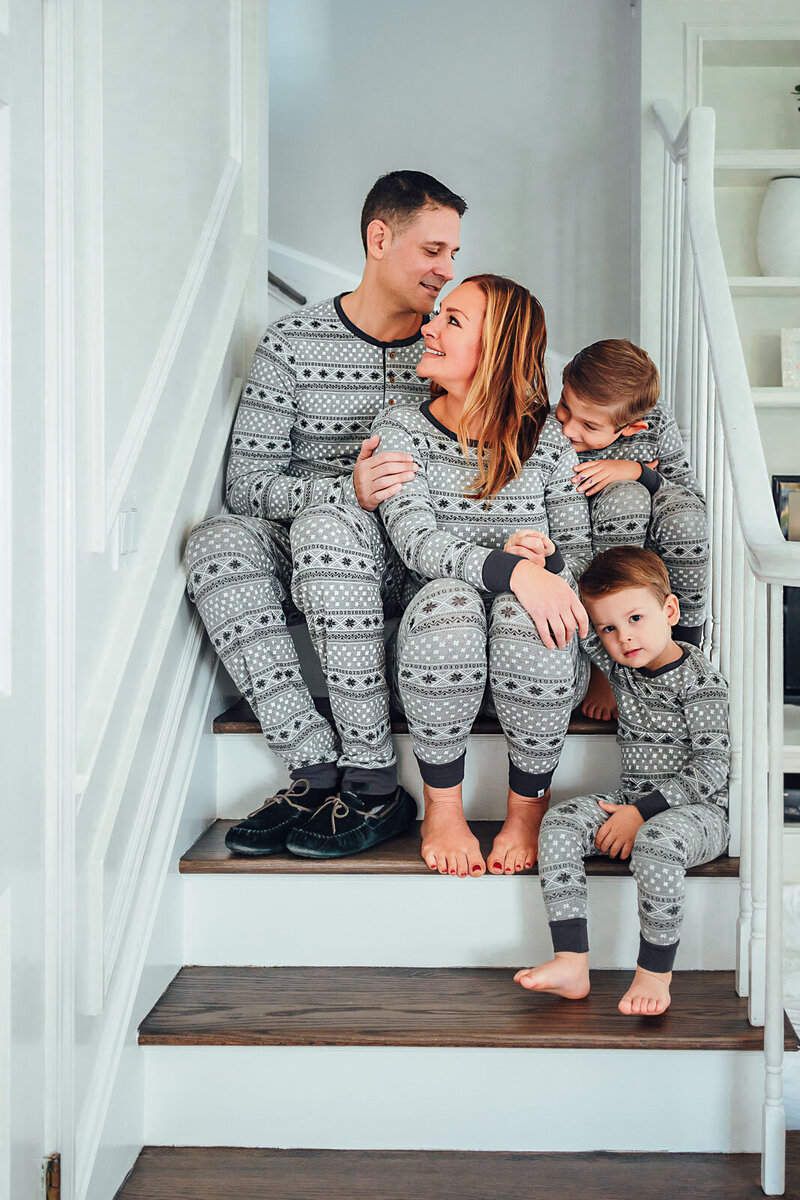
point(589, 426)
point(635, 627)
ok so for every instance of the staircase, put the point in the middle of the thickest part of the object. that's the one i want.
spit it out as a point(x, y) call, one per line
point(351, 1027)
point(365, 1004)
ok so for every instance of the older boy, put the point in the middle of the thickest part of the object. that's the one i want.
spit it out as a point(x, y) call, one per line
point(633, 468)
point(670, 812)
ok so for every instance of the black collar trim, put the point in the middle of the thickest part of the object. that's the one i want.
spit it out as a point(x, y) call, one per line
point(667, 666)
point(359, 333)
point(425, 409)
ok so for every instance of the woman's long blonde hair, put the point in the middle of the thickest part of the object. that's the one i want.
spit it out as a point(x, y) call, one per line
point(507, 400)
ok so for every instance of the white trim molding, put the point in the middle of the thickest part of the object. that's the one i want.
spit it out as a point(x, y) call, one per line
point(106, 486)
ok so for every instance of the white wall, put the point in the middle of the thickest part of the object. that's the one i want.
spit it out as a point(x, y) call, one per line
point(525, 109)
point(137, 292)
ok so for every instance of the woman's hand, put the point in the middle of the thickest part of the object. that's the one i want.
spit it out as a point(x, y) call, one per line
point(591, 477)
point(531, 544)
point(553, 606)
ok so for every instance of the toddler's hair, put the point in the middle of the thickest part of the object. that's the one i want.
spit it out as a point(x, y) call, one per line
point(617, 375)
point(624, 567)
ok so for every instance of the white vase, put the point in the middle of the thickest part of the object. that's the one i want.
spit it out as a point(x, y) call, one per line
point(778, 241)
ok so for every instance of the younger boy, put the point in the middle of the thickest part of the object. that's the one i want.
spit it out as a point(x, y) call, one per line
point(633, 468)
point(670, 812)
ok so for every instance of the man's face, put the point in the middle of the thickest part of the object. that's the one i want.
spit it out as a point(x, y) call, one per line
point(634, 626)
point(418, 261)
point(585, 424)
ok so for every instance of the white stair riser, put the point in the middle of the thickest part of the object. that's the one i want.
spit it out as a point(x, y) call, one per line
point(431, 921)
point(450, 1099)
point(247, 771)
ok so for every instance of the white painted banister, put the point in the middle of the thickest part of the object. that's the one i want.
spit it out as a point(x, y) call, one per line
point(704, 378)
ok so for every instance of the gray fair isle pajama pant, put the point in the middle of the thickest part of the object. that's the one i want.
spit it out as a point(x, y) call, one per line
point(672, 523)
point(665, 847)
point(447, 647)
point(246, 575)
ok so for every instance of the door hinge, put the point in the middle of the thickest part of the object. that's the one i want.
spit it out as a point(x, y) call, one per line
point(52, 1177)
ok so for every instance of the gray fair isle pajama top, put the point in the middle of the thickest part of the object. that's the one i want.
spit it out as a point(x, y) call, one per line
point(314, 388)
point(462, 623)
point(664, 510)
point(675, 753)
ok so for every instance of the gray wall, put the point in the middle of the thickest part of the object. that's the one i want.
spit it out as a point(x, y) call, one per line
point(525, 107)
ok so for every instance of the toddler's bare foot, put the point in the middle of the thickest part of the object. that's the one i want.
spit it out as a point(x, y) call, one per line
point(517, 844)
point(566, 974)
point(599, 702)
point(448, 844)
point(648, 995)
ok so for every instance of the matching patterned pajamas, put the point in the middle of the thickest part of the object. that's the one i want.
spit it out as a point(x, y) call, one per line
point(462, 626)
point(664, 511)
point(314, 389)
point(675, 750)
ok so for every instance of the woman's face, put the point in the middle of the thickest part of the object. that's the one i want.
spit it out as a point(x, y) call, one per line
point(453, 339)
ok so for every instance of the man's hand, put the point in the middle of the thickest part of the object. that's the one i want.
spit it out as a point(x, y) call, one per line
point(617, 835)
point(553, 606)
point(591, 477)
point(531, 544)
point(376, 477)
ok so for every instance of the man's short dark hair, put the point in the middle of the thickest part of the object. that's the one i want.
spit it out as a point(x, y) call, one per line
point(396, 198)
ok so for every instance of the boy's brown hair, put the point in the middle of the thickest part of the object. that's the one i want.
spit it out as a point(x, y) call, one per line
point(616, 375)
point(625, 567)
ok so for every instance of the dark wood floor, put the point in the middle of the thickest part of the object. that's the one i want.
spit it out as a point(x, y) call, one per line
point(183, 1173)
point(398, 856)
point(241, 719)
point(416, 1006)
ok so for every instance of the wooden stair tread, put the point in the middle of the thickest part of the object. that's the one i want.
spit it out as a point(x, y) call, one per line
point(220, 1172)
point(421, 1006)
point(241, 719)
point(399, 856)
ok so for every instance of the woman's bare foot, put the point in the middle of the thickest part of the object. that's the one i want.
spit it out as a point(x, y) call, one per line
point(566, 974)
point(599, 702)
point(648, 995)
point(448, 844)
point(516, 846)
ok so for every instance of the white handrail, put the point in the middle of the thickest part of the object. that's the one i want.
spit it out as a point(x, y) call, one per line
point(771, 557)
point(705, 379)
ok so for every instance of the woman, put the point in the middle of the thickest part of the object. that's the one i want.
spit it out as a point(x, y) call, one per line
point(494, 535)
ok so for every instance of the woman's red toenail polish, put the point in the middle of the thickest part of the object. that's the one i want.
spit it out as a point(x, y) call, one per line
point(496, 866)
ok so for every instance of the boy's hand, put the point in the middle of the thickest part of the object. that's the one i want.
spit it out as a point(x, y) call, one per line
point(531, 544)
point(591, 477)
point(616, 836)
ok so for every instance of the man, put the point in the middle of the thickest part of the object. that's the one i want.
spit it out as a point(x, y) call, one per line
point(303, 484)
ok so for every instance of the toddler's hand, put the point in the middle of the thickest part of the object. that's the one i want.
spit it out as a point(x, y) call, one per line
point(531, 544)
point(591, 477)
point(616, 835)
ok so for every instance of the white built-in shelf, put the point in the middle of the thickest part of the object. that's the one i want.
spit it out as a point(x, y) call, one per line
point(776, 397)
point(764, 285)
point(754, 167)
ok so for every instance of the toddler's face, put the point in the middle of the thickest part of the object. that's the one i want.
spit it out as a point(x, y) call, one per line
point(586, 425)
point(635, 627)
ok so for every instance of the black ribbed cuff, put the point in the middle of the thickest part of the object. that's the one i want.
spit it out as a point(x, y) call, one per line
point(555, 562)
point(656, 958)
point(651, 804)
point(571, 935)
point(319, 775)
point(650, 479)
point(527, 785)
point(370, 781)
point(442, 775)
point(693, 634)
point(498, 569)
